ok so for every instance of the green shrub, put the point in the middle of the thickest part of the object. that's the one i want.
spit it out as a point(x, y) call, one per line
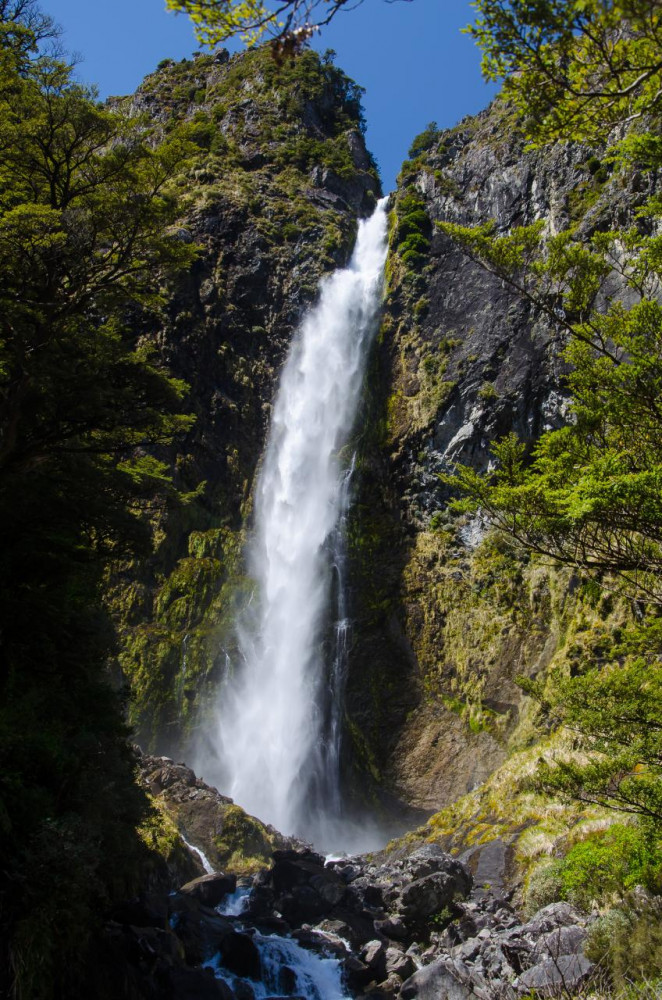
point(607, 862)
point(416, 241)
point(544, 886)
point(415, 221)
point(414, 260)
point(627, 943)
point(424, 141)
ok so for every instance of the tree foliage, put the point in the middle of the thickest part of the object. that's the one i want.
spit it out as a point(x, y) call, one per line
point(573, 68)
point(616, 715)
point(589, 494)
point(86, 244)
point(289, 23)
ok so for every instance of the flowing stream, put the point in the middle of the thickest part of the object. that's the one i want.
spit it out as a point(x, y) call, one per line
point(278, 728)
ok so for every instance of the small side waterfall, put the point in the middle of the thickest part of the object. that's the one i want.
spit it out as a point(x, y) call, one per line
point(279, 716)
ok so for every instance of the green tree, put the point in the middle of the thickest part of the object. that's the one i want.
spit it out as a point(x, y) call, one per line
point(616, 716)
point(87, 242)
point(590, 494)
point(573, 68)
point(290, 23)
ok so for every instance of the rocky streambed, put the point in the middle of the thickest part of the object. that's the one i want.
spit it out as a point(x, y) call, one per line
point(411, 927)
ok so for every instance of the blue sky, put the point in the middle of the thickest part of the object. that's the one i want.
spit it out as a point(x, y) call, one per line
point(410, 57)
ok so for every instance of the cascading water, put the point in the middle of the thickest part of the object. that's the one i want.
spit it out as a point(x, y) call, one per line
point(278, 726)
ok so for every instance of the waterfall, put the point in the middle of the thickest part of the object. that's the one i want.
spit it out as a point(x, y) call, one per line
point(278, 724)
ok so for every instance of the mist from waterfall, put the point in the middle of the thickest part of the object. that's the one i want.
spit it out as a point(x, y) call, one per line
point(278, 726)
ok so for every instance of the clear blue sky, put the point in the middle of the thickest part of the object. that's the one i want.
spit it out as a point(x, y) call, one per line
point(415, 65)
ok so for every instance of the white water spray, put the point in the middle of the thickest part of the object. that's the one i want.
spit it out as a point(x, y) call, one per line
point(277, 736)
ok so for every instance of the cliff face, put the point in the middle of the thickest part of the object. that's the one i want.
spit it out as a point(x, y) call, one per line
point(447, 614)
point(271, 198)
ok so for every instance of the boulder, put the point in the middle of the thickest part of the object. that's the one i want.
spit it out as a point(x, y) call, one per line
point(392, 927)
point(561, 941)
point(302, 905)
point(427, 896)
point(552, 917)
point(555, 977)
point(198, 984)
point(291, 868)
point(287, 979)
point(240, 955)
point(435, 982)
point(243, 990)
point(399, 963)
point(356, 973)
point(374, 956)
point(210, 889)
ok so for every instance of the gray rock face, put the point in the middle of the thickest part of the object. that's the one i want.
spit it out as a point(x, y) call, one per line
point(463, 360)
point(554, 977)
point(435, 982)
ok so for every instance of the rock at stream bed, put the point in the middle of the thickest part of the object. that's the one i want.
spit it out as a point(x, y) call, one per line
point(435, 982)
point(210, 889)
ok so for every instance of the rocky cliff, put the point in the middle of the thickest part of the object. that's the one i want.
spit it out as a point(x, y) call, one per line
point(448, 614)
point(279, 176)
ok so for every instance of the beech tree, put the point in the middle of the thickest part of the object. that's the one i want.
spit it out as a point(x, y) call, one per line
point(86, 247)
point(289, 23)
point(573, 68)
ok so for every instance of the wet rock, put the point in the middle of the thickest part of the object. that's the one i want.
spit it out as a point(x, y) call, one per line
point(261, 905)
point(315, 940)
point(339, 928)
point(302, 905)
point(210, 889)
point(199, 929)
point(198, 984)
point(287, 979)
point(243, 990)
point(357, 974)
point(240, 955)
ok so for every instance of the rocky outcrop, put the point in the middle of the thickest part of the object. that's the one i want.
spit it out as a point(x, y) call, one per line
point(394, 900)
point(447, 616)
point(270, 196)
point(227, 836)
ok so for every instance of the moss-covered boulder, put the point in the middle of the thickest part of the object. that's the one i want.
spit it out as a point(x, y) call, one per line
point(230, 839)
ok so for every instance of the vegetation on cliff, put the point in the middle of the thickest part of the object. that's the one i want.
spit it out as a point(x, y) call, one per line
point(586, 495)
point(271, 197)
